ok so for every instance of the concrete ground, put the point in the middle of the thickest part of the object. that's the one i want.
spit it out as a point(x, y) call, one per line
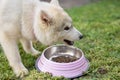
point(73, 3)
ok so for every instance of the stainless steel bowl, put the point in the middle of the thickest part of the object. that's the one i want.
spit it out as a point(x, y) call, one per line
point(71, 69)
point(62, 50)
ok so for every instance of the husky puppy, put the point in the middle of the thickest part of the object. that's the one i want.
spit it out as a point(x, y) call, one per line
point(30, 20)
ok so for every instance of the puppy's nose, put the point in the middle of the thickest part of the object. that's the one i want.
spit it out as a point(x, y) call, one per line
point(81, 36)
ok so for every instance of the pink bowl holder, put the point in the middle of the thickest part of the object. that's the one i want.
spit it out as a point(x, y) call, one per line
point(68, 70)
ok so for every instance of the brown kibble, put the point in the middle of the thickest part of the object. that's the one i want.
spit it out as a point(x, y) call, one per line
point(102, 70)
point(49, 73)
point(64, 59)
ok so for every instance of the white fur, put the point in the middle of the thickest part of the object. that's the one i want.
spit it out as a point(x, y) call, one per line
point(20, 20)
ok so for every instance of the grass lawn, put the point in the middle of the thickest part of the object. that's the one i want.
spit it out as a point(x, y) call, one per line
point(100, 24)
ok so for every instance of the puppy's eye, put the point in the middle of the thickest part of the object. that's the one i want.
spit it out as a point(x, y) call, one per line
point(66, 28)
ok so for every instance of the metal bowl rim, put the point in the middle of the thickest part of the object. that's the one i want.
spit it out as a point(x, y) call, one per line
point(62, 63)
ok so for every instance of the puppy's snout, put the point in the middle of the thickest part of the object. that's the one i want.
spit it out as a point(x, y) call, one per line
point(81, 36)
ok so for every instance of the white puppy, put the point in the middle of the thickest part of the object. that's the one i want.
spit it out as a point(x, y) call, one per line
point(29, 20)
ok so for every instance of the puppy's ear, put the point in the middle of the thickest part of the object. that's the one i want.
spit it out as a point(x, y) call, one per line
point(45, 18)
point(55, 2)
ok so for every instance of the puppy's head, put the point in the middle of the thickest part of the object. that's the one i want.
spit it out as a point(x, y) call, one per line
point(52, 24)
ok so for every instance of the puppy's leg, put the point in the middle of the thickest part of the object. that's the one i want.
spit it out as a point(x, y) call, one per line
point(11, 51)
point(28, 47)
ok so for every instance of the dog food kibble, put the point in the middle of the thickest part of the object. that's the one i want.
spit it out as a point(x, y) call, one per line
point(64, 59)
point(102, 70)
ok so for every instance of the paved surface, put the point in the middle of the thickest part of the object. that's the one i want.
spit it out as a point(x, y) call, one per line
point(73, 3)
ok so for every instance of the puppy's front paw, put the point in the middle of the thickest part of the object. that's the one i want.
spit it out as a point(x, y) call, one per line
point(21, 72)
point(35, 52)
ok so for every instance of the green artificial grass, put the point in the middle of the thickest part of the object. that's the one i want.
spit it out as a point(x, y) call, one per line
point(100, 24)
